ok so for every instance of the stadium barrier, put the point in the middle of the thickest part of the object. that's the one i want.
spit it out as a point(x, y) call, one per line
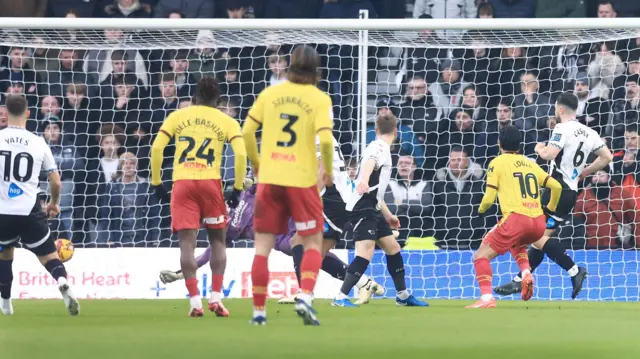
point(132, 273)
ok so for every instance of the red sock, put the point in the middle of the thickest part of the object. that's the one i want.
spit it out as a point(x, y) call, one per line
point(483, 274)
point(309, 268)
point(216, 283)
point(520, 255)
point(192, 286)
point(260, 280)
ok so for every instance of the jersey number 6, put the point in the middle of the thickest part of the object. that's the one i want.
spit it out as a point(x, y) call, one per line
point(209, 156)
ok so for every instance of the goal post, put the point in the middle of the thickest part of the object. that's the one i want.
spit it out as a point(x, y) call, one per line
point(109, 83)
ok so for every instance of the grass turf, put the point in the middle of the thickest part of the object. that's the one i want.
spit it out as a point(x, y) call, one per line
point(160, 329)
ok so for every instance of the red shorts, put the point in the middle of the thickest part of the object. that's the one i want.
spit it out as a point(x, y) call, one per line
point(275, 204)
point(197, 202)
point(515, 231)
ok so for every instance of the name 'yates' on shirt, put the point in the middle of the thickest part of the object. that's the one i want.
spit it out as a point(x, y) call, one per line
point(204, 123)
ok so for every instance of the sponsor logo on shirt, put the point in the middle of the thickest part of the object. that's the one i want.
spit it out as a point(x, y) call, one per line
point(15, 191)
point(556, 137)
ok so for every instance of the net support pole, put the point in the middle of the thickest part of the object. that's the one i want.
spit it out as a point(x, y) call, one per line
point(363, 55)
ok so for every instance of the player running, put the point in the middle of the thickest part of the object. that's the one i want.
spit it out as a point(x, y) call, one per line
point(516, 181)
point(291, 115)
point(22, 219)
point(240, 226)
point(570, 144)
point(197, 197)
point(371, 219)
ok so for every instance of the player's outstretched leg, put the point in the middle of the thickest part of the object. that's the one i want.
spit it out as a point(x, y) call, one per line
point(57, 270)
point(395, 267)
point(218, 263)
point(482, 264)
point(188, 265)
point(6, 280)
point(168, 276)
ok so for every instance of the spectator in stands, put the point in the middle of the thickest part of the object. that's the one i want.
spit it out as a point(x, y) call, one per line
point(447, 92)
point(445, 9)
point(124, 109)
point(49, 106)
point(559, 65)
point(476, 62)
point(593, 107)
point(626, 163)
point(278, 64)
point(514, 9)
point(606, 9)
point(505, 72)
point(424, 61)
point(129, 214)
point(167, 102)
point(418, 112)
point(69, 163)
point(606, 65)
point(633, 68)
point(460, 130)
point(457, 190)
point(560, 8)
point(228, 106)
point(485, 11)
point(68, 71)
point(4, 120)
point(287, 9)
point(119, 68)
point(80, 116)
point(185, 81)
point(17, 88)
point(611, 212)
point(79, 8)
point(473, 101)
point(19, 70)
point(626, 111)
point(23, 8)
point(237, 9)
point(531, 108)
point(205, 60)
point(128, 9)
point(502, 116)
point(190, 9)
point(410, 198)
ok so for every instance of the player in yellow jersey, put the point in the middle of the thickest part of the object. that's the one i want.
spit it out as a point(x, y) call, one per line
point(516, 181)
point(291, 115)
point(197, 198)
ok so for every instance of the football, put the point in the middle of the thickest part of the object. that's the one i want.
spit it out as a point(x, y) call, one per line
point(65, 249)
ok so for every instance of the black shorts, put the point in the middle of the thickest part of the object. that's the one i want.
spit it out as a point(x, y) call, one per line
point(567, 201)
point(369, 225)
point(32, 231)
point(335, 215)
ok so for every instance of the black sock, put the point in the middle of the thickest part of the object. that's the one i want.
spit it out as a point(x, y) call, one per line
point(297, 252)
point(56, 268)
point(334, 267)
point(6, 278)
point(536, 257)
point(395, 266)
point(355, 270)
point(554, 250)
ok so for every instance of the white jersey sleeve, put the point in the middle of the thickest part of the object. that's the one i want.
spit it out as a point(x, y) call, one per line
point(48, 162)
point(558, 137)
point(380, 152)
point(340, 175)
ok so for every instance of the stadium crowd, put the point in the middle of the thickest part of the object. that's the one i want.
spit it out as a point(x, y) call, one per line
point(100, 109)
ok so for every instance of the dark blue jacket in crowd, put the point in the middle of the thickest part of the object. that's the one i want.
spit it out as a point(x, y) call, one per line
point(514, 8)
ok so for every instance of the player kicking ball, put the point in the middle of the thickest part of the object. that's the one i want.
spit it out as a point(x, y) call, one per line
point(21, 217)
point(197, 197)
point(371, 219)
point(515, 180)
point(570, 145)
point(240, 226)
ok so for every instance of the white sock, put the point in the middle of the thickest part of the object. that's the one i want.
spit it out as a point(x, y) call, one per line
point(486, 297)
point(62, 281)
point(525, 272)
point(306, 297)
point(196, 302)
point(259, 313)
point(403, 294)
point(215, 297)
point(363, 281)
point(341, 296)
point(517, 279)
point(573, 271)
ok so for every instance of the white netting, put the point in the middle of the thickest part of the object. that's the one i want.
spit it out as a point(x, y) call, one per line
point(451, 96)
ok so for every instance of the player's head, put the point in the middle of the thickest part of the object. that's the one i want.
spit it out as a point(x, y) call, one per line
point(387, 125)
point(207, 92)
point(566, 106)
point(17, 109)
point(510, 139)
point(304, 66)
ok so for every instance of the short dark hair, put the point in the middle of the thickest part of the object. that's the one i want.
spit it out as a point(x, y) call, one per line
point(510, 138)
point(386, 123)
point(458, 148)
point(167, 77)
point(485, 9)
point(304, 65)
point(16, 105)
point(569, 100)
point(506, 101)
point(207, 92)
point(631, 128)
point(607, 2)
point(118, 55)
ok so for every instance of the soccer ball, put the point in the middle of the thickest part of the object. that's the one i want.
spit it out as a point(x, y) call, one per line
point(65, 249)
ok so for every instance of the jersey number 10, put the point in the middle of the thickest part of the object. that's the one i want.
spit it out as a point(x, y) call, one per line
point(16, 168)
point(528, 184)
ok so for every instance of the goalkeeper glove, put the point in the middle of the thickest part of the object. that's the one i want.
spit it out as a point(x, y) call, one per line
point(234, 198)
point(161, 193)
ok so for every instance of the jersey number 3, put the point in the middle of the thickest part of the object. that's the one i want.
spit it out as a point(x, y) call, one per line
point(528, 184)
point(209, 156)
point(16, 168)
point(291, 119)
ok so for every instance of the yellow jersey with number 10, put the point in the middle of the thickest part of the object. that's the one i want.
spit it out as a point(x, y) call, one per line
point(200, 133)
point(291, 115)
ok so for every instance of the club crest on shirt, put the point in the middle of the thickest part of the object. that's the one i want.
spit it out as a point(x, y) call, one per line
point(556, 137)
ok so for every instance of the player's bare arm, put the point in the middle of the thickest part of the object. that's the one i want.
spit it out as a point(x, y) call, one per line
point(547, 152)
point(604, 158)
point(53, 208)
point(367, 169)
point(392, 219)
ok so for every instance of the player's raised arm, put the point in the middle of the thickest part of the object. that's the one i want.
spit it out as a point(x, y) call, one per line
point(604, 158)
point(157, 150)
point(251, 125)
point(491, 191)
point(324, 128)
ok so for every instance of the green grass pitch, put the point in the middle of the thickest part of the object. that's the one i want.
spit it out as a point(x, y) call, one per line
point(160, 329)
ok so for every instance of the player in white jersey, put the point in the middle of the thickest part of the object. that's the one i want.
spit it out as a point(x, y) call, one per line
point(570, 145)
point(371, 219)
point(22, 156)
point(335, 219)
